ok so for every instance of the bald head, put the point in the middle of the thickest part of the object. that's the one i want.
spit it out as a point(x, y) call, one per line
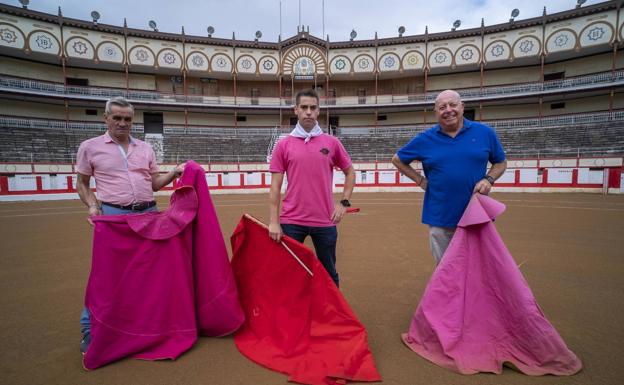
point(449, 110)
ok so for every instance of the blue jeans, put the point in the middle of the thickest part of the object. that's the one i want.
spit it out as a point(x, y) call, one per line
point(85, 316)
point(324, 239)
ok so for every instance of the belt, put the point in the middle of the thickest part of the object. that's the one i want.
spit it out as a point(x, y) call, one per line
point(139, 206)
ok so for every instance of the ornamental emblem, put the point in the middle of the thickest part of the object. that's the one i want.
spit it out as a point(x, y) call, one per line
point(44, 42)
point(363, 63)
point(304, 67)
point(169, 58)
point(221, 63)
point(497, 50)
point(466, 54)
point(8, 35)
point(80, 48)
point(561, 40)
point(340, 64)
point(389, 62)
point(526, 46)
point(268, 65)
point(412, 60)
point(110, 52)
point(440, 57)
point(246, 64)
point(595, 33)
point(197, 60)
point(141, 55)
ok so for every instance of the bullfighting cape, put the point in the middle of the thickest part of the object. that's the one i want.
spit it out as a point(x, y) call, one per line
point(159, 279)
point(297, 322)
point(478, 312)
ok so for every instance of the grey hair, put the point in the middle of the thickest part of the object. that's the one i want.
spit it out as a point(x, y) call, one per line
point(117, 101)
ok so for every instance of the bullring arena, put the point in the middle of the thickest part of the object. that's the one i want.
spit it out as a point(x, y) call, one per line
point(551, 87)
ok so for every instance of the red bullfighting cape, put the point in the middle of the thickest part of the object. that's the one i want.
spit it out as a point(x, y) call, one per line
point(478, 311)
point(297, 322)
point(159, 279)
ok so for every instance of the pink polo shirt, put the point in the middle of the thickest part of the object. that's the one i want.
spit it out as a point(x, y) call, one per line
point(119, 180)
point(309, 170)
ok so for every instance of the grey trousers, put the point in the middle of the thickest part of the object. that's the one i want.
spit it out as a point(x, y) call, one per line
point(439, 239)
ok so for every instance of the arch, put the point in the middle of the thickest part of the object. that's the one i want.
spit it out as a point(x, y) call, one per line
point(247, 70)
point(307, 50)
point(58, 43)
point(79, 39)
point(460, 51)
point(555, 34)
point(437, 62)
point(24, 41)
point(405, 58)
point(348, 65)
point(214, 60)
point(495, 54)
point(168, 65)
point(121, 51)
point(399, 66)
point(195, 52)
point(148, 49)
point(520, 40)
point(582, 33)
point(273, 70)
point(358, 65)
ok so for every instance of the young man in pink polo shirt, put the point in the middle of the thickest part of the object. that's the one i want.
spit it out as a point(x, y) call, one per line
point(126, 176)
point(308, 157)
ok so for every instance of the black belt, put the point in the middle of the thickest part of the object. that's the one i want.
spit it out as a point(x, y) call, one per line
point(139, 206)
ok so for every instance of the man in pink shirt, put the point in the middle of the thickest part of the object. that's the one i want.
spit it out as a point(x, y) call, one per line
point(126, 175)
point(308, 157)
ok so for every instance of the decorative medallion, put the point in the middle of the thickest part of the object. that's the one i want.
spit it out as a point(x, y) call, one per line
point(246, 64)
point(110, 52)
point(412, 60)
point(169, 58)
point(197, 60)
point(268, 65)
point(141, 55)
point(8, 35)
point(526, 46)
point(497, 50)
point(303, 66)
point(221, 63)
point(467, 54)
point(340, 64)
point(440, 57)
point(596, 33)
point(79, 47)
point(561, 40)
point(44, 42)
point(389, 62)
point(363, 63)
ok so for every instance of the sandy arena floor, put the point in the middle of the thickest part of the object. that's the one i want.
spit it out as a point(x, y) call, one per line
point(570, 248)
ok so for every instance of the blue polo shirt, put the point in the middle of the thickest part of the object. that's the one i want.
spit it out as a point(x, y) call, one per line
point(453, 166)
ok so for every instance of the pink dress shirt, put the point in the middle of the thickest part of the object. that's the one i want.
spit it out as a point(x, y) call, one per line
point(119, 179)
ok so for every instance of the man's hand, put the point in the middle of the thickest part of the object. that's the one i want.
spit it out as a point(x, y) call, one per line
point(94, 210)
point(483, 187)
point(179, 169)
point(275, 231)
point(423, 183)
point(339, 212)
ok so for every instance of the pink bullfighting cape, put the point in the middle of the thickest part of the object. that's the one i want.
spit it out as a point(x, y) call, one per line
point(478, 312)
point(160, 279)
point(297, 322)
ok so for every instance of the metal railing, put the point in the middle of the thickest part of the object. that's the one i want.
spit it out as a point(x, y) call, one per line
point(582, 82)
point(36, 123)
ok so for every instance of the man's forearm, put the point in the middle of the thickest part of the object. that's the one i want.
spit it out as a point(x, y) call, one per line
point(349, 183)
point(497, 169)
point(407, 170)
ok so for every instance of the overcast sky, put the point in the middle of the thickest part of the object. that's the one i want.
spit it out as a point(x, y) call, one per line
point(341, 16)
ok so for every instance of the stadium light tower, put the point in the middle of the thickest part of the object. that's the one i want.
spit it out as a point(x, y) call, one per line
point(353, 34)
point(210, 30)
point(514, 14)
point(456, 25)
point(153, 25)
point(401, 31)
point(258, 35)
point(24, 3)
point(579, 3)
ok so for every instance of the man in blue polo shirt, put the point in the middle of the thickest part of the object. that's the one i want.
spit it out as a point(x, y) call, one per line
point(454, 154)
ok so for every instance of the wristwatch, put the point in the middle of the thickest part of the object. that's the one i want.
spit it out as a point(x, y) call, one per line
point(345, 203)
point(489, 179)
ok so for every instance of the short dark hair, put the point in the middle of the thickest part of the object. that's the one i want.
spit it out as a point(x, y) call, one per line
point(309, 92)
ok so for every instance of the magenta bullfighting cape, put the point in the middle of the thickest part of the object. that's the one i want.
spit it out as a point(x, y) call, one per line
point(478, 312)
point(159, 279)
point(297, 322)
